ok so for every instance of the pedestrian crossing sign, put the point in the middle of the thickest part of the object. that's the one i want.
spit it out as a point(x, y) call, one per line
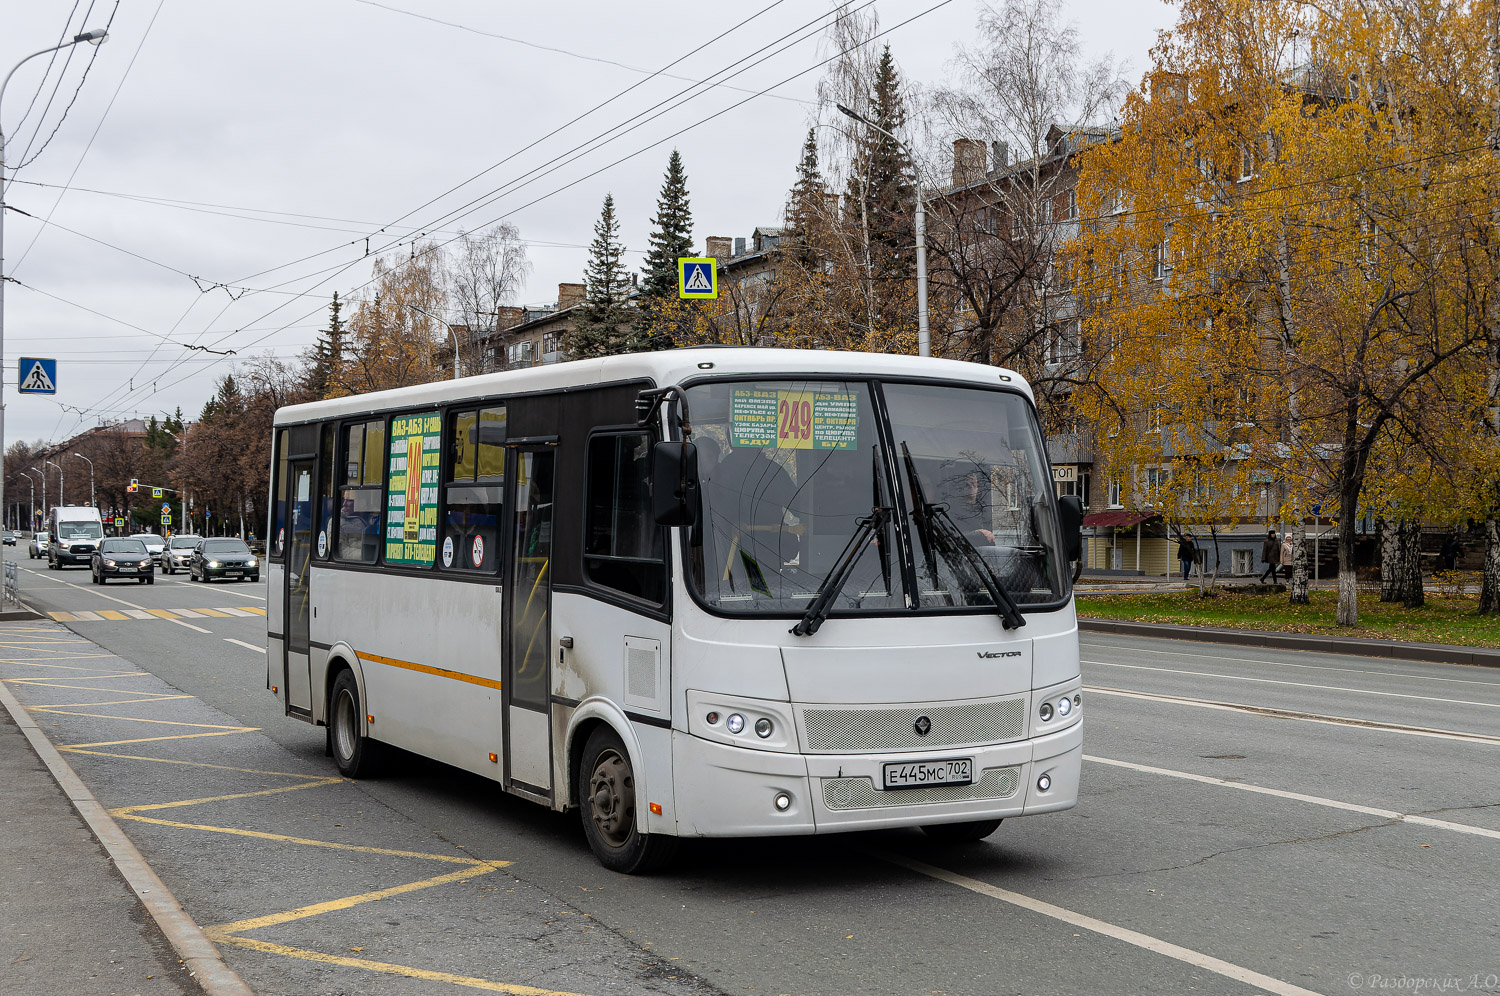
point(37, 376)
point(697, 277)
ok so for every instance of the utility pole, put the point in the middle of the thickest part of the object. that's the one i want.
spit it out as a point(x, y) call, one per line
point(91, 475)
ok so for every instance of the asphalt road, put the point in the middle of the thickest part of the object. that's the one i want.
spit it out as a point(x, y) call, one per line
point(1250, 822)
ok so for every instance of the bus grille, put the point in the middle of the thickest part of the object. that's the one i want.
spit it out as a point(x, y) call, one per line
point(861, 793)
point(843, 730)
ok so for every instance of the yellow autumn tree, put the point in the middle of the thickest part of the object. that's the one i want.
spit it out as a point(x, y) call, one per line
point(397, 331)
point(1295, 210)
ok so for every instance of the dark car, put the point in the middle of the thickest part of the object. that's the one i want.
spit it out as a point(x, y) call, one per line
point(179, 553)
point(223, 558)
point(10, 537)
point(123, 558)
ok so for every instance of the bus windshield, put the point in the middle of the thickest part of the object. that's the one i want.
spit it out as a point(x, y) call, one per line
point(797, 476)
point(79, 530)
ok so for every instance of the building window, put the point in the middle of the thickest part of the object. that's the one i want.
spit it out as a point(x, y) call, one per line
point(1070, 205)
point(474, 491)
point(518, 354)
point(1114, 494)
point(361, 486)
point(623, 546)
point(1159, 261)
point(1247, 162)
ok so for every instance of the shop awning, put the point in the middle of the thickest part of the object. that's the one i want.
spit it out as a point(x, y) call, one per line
point(1119, 519)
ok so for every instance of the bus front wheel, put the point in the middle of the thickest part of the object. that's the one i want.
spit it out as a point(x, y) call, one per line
point(961, 833)
point(607, 802)
point(354, 753)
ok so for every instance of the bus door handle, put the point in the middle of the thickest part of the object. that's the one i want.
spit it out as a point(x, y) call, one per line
point(566, 642)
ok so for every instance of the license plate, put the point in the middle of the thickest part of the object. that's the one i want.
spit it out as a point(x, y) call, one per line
point(920, 774)
point(127, 570)
point(233, 574)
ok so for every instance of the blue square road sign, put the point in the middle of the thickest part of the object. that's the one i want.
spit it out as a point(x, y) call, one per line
point(37, 376)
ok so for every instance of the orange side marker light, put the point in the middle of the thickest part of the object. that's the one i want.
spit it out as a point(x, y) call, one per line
point(656, 808)
point(494, 758)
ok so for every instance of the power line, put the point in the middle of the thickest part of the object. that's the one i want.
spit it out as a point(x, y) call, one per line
point(71, 101)
point(48, 72)
point(90, 144)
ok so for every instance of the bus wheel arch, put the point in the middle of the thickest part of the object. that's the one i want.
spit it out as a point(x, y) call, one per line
point(610, 797)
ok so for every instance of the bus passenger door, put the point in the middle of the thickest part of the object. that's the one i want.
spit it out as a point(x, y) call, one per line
point(298, 574)
point(527, 632)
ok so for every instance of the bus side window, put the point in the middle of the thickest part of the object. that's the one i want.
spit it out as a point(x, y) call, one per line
point(475, 488)
point(362, 456)
point(276, 542)
point(622, 544)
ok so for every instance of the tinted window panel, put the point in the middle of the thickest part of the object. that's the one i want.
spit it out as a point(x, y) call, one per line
point(623, 546)
point(465, 446)
point(374, 464)
point(471, 528)
point(492, 442)
point(359, 525)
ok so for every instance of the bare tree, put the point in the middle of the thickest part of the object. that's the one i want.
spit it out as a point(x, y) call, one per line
point(486, 271)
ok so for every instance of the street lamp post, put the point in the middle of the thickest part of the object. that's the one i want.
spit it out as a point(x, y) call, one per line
point(31, 506)
point(445, 325)
point(38, 470)
point(94, 37)
point(91, 475)
point(62, 492)
point(924, 337)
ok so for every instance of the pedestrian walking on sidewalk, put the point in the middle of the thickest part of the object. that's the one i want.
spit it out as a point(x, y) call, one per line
point(1187, 554)
point(1270, 552)
point(1452, 550)
point(1287, 556)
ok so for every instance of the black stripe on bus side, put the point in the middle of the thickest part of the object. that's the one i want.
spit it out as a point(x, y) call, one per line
point(560, 700)
point(635, 717)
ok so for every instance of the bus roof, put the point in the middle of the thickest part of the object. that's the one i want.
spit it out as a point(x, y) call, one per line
point(671, 366)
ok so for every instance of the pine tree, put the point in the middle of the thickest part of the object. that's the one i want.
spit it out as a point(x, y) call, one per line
point(882, 184)
point(601, 326)
point(671, 235)
point(805, 204)
point(327, 353)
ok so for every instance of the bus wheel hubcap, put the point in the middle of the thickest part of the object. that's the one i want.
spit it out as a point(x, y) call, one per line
point(345, 726)
point(612, 798)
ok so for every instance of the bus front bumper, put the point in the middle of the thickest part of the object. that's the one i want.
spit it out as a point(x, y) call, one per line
point(726, 791)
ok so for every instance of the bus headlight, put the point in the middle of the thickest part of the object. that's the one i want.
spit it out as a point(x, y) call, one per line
point(763, 728)
point(1064, 706)
point(1045, 712)
point(735, 723)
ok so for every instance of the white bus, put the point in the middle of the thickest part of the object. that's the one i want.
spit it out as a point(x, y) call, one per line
point(696, 593)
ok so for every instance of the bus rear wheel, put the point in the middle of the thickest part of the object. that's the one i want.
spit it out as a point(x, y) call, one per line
point(356, 755)
point(961, 833)
point(607, 802)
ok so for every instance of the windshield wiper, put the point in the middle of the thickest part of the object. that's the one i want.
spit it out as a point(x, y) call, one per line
point(939, 532)
point(822, 602)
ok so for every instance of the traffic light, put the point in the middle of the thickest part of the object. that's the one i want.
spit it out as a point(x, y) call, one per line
point(135, 485)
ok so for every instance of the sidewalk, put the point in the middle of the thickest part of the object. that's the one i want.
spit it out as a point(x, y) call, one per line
point(68, 921)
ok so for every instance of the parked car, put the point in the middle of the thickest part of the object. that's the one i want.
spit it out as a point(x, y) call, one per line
point(10, 537)
point(154, 543)
point(123, 557)
point(224, 558)
point(38, 546)
point(179, 552)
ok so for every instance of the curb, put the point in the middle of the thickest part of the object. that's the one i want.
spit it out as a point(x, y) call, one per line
point(1430, 652)
point(187, 938)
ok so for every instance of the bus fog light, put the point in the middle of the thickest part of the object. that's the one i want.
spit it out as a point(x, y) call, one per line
point(735, 723)
point(1078, 700)
point(711, 718)
point(763, 728)
point(1044, 783)
point(783, 802)
point(1045, 711)
point(1064, 706)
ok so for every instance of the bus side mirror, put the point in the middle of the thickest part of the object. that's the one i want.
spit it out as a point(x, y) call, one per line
point(1070, 519)
point(674, 483)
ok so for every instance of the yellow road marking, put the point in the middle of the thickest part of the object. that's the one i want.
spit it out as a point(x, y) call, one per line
point(124, 814)
point(62, 667)
point(112, 614)
point(383, 967)
point(62, 616)
point(196, 764)
point(212, 612)
point(428, 669)
point(162, 613)
point(39, 683)
point(333, 905)
point(251, 608)
point(155, 806)
point(138, 719)
point(179, 736)
point(79, 705)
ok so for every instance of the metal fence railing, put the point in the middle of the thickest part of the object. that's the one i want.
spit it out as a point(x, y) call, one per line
point(13, 584)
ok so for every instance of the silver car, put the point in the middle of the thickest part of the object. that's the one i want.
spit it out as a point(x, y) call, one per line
point(179, 553)
point(157, 545)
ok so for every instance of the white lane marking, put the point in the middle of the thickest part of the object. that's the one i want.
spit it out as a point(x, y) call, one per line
point(236, 612)
point(139, 614)
point(1310, 667)
point(1304, 717)
point(1297, 684)
point(190, 613)
point(1384, 814)
point(247, 646)
point(86, 615)
point(1156, 945)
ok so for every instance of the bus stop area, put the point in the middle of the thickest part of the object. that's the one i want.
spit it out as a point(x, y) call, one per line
point(274, 858)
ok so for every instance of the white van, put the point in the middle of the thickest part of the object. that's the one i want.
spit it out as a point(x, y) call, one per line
point(76, 531)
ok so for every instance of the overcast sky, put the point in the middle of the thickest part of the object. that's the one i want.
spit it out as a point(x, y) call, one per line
point(298, 128)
